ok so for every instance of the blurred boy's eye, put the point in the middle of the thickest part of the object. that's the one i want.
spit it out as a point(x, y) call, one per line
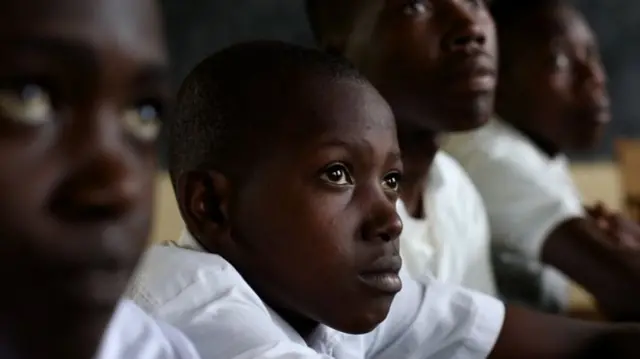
point(337, 174)
point(560, 61)
point(27, 104)
point(143, 121)
point(415, 7)
point(392, 181)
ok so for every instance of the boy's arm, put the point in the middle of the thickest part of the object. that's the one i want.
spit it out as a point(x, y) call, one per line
point(544, 222)
point(527, 334)
point(610, 272)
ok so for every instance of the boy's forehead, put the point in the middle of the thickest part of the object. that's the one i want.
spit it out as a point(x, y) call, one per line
point(131, 24)
point(550, 23)
point(341, 106)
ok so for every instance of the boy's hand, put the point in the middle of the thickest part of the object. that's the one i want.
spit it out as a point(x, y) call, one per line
point(620, 229)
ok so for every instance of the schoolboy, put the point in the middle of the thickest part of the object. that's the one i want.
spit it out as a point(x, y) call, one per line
point(286, 169)
point(551, 98)
point(81, 92)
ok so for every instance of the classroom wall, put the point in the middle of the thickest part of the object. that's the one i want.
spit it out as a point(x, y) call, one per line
point(597, 182)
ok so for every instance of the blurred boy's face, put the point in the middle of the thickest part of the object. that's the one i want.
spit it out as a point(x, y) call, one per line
point(81, 89)
point(314, 230)
point(555, 79)
point(433, 60)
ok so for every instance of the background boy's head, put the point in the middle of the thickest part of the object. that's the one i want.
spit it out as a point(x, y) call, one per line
point(552, 83)
point(80, 94)
point(285, 162)
point(434, 61)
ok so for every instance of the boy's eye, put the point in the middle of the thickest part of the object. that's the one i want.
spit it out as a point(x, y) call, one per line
point(143, 121)
point(392, 181)
point(415, 7)
point(27, 104)
point(337, 174)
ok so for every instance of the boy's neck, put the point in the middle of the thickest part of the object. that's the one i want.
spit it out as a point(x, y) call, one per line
point(513, 117)
point(419, 147)
point(302, 325)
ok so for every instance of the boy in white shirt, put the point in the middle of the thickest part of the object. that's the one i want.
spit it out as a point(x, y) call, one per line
point(434, 62)
point(551, 97)
point(286, 169)
point(82, 85)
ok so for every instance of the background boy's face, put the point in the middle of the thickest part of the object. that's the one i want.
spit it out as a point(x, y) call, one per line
point(433, 60)
point(557, 80)
point(81, 85)
point(315, 229)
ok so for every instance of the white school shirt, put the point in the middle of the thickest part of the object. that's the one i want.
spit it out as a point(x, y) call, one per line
point(526, 193)
point(133, 334)
point(452, 243)
point(207, 299)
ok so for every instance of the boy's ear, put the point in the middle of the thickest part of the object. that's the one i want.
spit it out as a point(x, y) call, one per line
point(203, 198)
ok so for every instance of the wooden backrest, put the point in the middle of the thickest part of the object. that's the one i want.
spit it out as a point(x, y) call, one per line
point(628, 159)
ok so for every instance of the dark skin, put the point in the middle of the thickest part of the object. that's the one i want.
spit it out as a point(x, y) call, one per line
point(81, 88)
point(321, 203)
point(553, 88)
point(393, 43)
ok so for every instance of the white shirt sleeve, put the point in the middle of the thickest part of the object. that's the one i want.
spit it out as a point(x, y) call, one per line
point(132, 334)
point(437, 321)
point(523, 208)
point(524, 201)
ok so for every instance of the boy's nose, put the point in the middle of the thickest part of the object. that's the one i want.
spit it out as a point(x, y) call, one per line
point(465, 31)
point(100, 190)
point(384, 223)
point(103, 183)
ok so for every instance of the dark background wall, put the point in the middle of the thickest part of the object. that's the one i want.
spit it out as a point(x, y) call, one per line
point(197, 28)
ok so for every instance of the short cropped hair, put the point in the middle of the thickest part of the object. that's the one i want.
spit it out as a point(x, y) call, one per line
point(330, 19)
point(508, 16)
point(228, 101)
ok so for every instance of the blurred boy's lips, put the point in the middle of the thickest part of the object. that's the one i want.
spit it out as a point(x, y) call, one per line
point(473, 73)
point(382, 274)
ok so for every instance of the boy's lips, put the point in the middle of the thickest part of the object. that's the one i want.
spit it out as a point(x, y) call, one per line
point(476, 73)
point(382, 275)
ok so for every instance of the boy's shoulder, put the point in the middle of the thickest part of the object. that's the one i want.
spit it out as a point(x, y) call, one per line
point(133, 333)
point(448, 175)
point(497, 141)
point(171, 279)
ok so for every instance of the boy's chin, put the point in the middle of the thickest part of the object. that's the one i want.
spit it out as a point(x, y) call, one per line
point(363, 319)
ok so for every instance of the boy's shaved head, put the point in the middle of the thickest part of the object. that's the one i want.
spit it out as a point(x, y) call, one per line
point(513, 21)
point(333, 21)
point(228, 104)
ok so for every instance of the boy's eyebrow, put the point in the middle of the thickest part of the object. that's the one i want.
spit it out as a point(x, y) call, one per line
point(153, 76)
point(49, 45)
point(77, 50)
point(357, 144)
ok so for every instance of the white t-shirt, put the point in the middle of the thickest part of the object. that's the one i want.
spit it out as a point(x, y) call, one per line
point(207, 299)
point(526, 193)
point(133, 334)
point(453, 242)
